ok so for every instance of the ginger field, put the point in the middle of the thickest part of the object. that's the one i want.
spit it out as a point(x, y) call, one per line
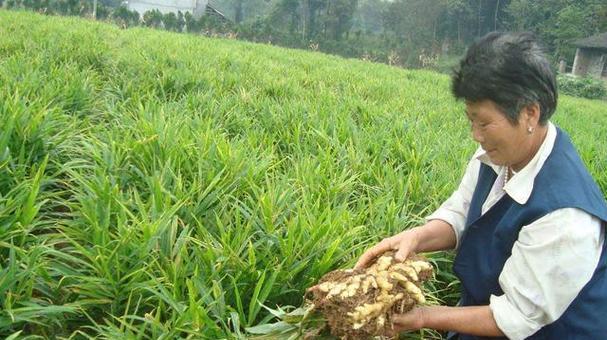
point(161, 185)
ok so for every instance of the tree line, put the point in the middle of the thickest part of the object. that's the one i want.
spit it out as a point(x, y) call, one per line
point(411, 33)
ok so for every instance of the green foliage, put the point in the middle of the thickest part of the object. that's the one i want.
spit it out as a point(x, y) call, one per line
point(155, 185)
point(294, 323)
point(124, 17)
point(446, 64)
point(586, 87)
point(559, 22)
point(152, 18)
point(170, 22)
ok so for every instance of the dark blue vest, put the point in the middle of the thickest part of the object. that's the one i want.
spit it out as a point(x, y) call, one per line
point(486, 244)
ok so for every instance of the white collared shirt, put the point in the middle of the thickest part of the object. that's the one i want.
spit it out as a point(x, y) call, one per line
point(553, 257)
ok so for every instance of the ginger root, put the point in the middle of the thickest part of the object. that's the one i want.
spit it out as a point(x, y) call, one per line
point(360, 303)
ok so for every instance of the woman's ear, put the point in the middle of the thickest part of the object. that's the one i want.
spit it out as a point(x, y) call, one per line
point(531, 114)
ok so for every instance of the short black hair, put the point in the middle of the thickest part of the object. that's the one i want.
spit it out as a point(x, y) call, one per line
point(509, 69)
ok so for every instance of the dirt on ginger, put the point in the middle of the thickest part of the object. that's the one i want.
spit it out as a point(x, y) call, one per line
point(359, 303)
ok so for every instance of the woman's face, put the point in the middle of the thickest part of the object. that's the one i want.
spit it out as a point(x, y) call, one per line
point(506, 144)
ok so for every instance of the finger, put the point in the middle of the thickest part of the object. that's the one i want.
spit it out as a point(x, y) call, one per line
point(403, 251)
point(402, 319)
point(311, 289)
point(391, 333)
point(409, 321)
point(401, 323)
point(372, 253)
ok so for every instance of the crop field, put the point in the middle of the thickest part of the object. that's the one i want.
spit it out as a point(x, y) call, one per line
point(160, 185)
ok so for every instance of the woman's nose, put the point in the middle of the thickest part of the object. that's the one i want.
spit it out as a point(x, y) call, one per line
point(476, 135)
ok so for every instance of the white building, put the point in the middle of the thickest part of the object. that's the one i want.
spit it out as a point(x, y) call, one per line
point(195, 7)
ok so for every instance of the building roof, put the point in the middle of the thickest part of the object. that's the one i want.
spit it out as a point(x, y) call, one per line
point(595, 41)
point(216, 9)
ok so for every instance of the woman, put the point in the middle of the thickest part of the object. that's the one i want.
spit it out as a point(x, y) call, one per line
point(527, 219)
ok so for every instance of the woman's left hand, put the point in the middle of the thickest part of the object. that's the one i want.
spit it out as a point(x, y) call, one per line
point(413, 320)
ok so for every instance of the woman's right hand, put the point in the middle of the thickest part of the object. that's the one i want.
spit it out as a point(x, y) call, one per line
point(403, 243)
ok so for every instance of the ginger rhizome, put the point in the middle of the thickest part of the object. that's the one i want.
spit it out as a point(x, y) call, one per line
point(359, 303)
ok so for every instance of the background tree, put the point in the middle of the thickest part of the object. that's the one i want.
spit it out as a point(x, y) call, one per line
point(152, 18)
point(191, 24)
point(287, 15)
point(124, 17)
point(338, 17)
point(238, 14)
point(413, 20)
point(180, 21)
point(250, 10)
point(369, 17)
point(169, 20)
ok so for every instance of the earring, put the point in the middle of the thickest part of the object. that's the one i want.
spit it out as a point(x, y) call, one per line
point(530, 130)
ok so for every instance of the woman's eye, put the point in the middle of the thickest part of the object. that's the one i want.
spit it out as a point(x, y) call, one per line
point(477, 124)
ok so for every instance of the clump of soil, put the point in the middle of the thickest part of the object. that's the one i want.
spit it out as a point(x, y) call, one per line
point(359, 303)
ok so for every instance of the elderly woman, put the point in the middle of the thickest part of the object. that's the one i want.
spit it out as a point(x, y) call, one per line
point(527, 220)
